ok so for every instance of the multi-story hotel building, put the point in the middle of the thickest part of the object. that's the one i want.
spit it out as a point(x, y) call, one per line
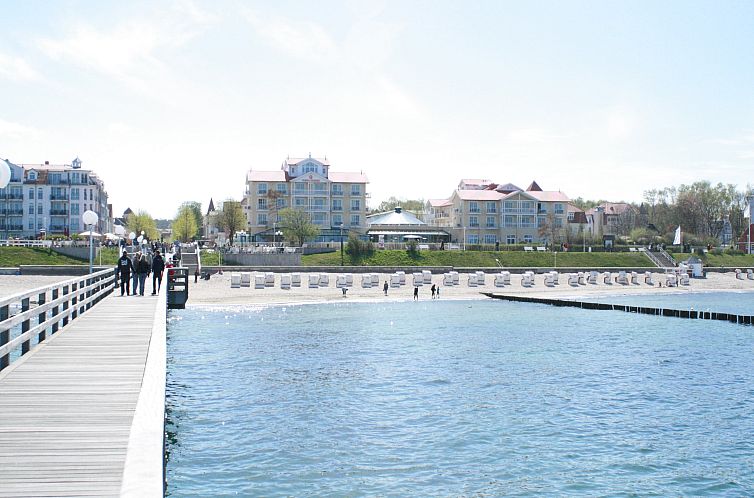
point(334, 200)
point(482, 212)
point(50, 199)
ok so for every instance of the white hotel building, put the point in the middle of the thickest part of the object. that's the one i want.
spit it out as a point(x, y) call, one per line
point(333, 199)
point(50, 199)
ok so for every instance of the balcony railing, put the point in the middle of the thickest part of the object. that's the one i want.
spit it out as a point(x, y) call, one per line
point(58, 212)
point(58, 197)
point(519, 211)
point(14, 197)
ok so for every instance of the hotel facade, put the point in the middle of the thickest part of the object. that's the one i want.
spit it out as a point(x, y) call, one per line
point(483, 212)
point(45, 199)
point(333, 200)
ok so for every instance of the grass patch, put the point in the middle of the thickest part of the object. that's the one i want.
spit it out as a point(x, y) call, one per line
point(729, 260)
point(17, 256)
point(480, 259)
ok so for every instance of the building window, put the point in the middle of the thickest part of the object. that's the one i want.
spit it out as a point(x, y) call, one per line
point(299, 187)
point(310, 168)
point(300, 202)
point(337, 189)
point(473, 207)
point(527, 206)
point(473, 221)
point(527, 222)
point(337, 205)
point(75, 225)
point(355, 220)
point(319, 203)
point(472, 238)
point(490, 222)
point(356, 189)
point(355, 204)
point(337, 219)
point(31, 208)
point(571, 215)
point(541, 221)
point(559, 208)
point(491, 207)
point(489, 238)
point(510, 239)
point(262, 189)
point(319, 218)
point(74, 209)
point(262, 203)
point(509, 220)
point(280, 203)
point(262, 219)
point(510, 205)
point(528, 239)
point(31, 193)
point(282, 188)
point(31, 224)
point(39, 194)
point(39, 208)
point(558, 222)
point(75, 194)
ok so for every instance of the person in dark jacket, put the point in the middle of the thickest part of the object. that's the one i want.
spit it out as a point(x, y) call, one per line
point(125, 267)
point(158, 266)
point(142, 270)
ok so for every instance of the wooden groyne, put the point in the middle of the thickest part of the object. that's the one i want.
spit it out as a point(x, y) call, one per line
point(643, 310)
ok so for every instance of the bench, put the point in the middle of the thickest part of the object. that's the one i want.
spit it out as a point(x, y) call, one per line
point(528, 248)
point(541, 249)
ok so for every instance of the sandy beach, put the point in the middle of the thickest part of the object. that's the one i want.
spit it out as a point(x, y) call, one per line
point(217, 290)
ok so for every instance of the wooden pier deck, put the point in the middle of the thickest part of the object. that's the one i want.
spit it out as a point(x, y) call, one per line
point(67, 408)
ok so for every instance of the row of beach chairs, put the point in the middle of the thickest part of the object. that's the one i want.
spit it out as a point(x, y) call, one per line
point(740, 274)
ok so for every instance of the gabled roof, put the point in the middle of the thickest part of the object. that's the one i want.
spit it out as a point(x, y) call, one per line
point(507, 188)
point(292, 161)
point(439, 202)
point(266, 176)
point(549, 196)
point(533, 187)
point(345, 177)
point(479, 195)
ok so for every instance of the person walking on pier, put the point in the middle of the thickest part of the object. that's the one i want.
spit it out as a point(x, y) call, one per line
point(158, 266)
point(134, 275)
point(124, 269)
point(142, 270)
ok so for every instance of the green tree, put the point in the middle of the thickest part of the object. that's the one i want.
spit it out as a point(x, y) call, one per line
point(196, 211)
point(415, 206)
point(141, 221)
point(184, 224)
point(297, 226)
point(231, 219)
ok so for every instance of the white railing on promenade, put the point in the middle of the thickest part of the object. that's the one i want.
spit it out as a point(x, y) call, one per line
point(25, 243)
point(56, 306)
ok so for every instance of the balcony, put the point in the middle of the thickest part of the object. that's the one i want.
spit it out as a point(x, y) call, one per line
point(519, 211)
point(338, 193)
point(58, 197)
point(14, 212)
point(58, 212)
point(337, 208)
point(14, 197)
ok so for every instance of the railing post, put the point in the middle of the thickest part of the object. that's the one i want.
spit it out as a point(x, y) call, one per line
point(82, 296)
point(74, 300)
point(88, 292)
point(26, 345)
point(55, 311)
point(65, 305)
point(4, 337)
point(42, 316)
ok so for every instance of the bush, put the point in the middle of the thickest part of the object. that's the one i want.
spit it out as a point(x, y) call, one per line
point(358, 249)
point(412, 248)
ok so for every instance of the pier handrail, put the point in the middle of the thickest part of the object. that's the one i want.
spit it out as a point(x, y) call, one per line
point(67, 300)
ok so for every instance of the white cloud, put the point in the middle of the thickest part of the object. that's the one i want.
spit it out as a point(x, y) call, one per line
point(10, 130)
point(134, 51)
point(16, 69)
point(301, 39)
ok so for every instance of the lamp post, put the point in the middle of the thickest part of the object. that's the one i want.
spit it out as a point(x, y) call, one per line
point(90, 218)
point(5, 175)
point(274, 233)
point(341, 243)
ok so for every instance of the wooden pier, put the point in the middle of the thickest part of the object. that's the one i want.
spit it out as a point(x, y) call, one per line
point(82, 413)
point(644, 310)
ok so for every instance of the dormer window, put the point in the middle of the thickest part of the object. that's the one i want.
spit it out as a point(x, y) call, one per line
point(32, 175)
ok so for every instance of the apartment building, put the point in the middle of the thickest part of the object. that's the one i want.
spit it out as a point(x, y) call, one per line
point(483, 212)
point(333, 199)
point(46, 199)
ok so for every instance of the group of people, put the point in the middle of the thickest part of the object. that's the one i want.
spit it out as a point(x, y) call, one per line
point(137, 270)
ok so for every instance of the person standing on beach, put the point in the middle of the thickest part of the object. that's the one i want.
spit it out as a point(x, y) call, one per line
point(158, 266)
point(124, 269)
point(437, 292)
point(416, 293)
point(384, 287)
point(433, 291)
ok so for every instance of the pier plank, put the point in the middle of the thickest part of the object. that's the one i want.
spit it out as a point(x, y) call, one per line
point(66, 409)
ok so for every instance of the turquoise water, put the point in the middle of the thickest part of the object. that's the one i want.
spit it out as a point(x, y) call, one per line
point(457, 398)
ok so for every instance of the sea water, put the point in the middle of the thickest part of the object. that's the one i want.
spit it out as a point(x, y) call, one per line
point(456, 398)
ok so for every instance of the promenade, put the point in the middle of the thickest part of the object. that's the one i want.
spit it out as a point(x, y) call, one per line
point(68, 407)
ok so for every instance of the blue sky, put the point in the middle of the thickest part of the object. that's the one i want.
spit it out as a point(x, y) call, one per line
point(177, 100)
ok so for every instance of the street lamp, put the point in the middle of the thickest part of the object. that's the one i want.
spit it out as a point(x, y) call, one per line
point(90, 218)
point(4, 181)
point(341, 243)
